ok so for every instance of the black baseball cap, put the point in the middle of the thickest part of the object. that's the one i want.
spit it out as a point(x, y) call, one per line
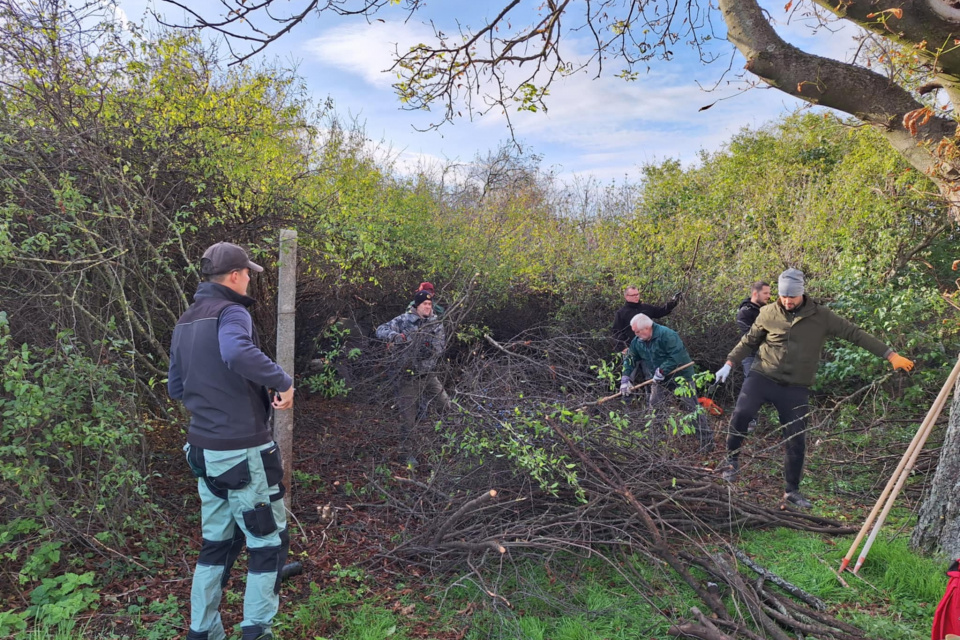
point(225, 257)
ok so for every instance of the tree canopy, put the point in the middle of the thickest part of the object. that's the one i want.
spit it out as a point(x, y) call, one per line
point(509, 60)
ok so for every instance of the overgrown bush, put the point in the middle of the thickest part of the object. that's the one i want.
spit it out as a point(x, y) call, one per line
point(70, 441)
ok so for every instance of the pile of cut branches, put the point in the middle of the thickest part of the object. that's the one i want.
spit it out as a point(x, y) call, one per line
point(524, 475)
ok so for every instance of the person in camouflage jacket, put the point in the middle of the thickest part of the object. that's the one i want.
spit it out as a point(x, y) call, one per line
point(419, 339)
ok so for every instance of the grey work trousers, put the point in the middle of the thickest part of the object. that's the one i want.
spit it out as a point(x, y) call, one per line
point(413, 388)
point(661, 394)
point(241, 501)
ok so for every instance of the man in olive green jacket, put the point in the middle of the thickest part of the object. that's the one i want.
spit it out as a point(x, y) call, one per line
point(788, 337)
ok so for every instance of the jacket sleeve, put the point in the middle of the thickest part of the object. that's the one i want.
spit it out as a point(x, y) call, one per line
point(653, 312)
point(620, 328)
point(388, 330)
point(174, 377)
point(749, 343)
point(242, 356)
point(846, 330)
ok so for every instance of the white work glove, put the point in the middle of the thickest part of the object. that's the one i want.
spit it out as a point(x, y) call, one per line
point(398, 338)
point(658, 375)
point(625, 386)
point(722, 374)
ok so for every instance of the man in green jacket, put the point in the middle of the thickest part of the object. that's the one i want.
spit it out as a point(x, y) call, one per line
point(658, 350)
point(788, 337)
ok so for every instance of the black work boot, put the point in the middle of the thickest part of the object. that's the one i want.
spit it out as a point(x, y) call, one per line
point(256, 632)
point(796, 499)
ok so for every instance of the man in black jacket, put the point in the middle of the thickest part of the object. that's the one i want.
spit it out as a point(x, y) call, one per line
point(622, 332)
point(748, 312)
point(223, 378)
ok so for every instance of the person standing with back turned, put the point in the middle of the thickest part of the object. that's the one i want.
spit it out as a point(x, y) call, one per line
point(223, 378)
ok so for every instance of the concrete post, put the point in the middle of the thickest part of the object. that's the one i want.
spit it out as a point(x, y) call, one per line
point(286, 338)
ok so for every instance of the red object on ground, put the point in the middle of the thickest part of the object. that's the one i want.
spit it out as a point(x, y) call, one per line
point(946, 619)
point(710, 406)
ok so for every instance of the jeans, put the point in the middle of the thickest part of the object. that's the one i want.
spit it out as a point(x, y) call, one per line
point(792, 404)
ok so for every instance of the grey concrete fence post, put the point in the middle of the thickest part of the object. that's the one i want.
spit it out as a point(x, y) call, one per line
point(286, 338)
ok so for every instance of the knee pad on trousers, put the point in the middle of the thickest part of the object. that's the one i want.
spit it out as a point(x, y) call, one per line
point(264, 559)
point(216, 553)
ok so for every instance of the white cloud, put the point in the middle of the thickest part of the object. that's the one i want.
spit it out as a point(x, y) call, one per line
point(605, 127)
point(119, 14)
point(366, 50)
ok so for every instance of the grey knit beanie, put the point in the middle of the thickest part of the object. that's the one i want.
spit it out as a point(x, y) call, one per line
point(790, 283)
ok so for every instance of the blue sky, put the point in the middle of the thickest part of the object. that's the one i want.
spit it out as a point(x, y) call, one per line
point(605, 128)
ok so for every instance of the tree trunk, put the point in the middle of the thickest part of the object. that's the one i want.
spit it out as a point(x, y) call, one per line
point(938, 527)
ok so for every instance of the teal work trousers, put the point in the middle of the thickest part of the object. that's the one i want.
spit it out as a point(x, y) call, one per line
point(241, 497)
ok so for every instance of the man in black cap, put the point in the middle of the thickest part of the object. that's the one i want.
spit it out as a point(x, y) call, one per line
point(788, 337)
point(420, 339)
point(428, 287)
point(223, 378)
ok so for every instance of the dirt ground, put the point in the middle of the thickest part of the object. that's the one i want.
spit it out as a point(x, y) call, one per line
point(337, 445)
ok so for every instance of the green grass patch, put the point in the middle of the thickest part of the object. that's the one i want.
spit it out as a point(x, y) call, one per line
point(584, 600)
point(351, 609)
point(893, 596)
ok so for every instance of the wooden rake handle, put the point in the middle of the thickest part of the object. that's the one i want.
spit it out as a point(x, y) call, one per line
point(636, 386)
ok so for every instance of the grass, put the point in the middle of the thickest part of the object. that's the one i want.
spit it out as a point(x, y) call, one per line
point(350, 609)
point(893, 596)
point(584, 600)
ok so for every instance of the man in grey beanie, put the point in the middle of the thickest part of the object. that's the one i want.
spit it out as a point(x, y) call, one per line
point(788, 337)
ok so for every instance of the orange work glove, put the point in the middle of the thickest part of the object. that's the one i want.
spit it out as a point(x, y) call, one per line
point(899, 362)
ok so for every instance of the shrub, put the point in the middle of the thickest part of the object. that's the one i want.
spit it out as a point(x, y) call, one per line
point(69, 440)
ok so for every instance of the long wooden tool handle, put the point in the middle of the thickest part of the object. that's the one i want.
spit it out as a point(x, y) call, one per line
point(951, 379)
point(925, 428)
point(644, 384)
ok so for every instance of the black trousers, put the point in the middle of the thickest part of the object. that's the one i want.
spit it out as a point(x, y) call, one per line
point(792, 403)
